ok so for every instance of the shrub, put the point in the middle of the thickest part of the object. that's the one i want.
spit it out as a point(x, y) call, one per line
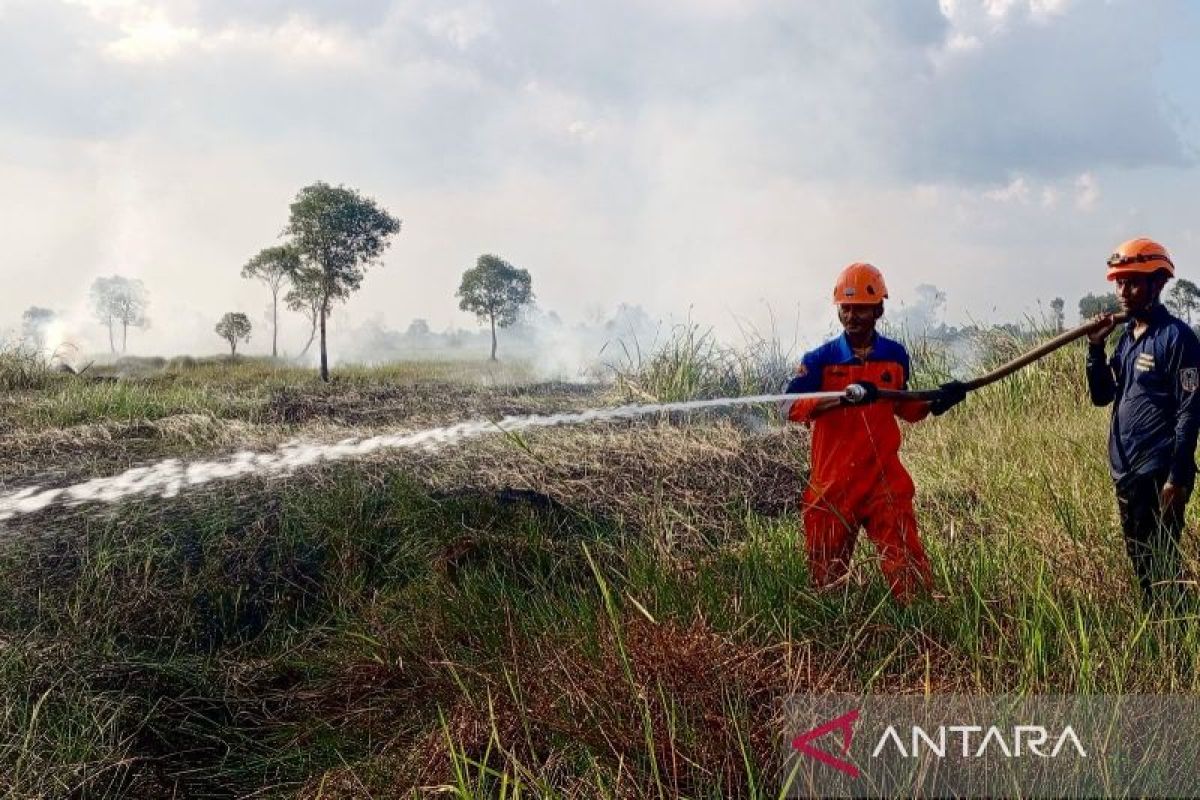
point(23, 368)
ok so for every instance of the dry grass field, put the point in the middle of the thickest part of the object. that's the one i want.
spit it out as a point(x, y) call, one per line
point(612, 610)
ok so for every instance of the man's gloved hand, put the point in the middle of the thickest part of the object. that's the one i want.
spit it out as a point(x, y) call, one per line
point(869, 394)
point(950, 394)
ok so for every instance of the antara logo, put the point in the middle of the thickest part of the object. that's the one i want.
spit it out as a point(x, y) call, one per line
point(845, 724)
point(1020, 741)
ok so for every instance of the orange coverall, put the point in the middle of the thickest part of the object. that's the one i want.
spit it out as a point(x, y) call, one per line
point(856, 477)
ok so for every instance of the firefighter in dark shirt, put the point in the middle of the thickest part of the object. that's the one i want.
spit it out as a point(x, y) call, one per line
point(1152, 381)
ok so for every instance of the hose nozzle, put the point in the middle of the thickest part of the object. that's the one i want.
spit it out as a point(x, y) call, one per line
point(860, 393)
point(856, 393)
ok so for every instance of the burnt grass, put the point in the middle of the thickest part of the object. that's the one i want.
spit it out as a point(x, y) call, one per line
point(372, 627)
point(75, 429)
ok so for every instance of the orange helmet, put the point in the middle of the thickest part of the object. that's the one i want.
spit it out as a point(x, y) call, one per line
point(1144, 256)
point(860, 284)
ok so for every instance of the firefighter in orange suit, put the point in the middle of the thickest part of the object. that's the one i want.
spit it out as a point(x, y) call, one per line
point(857, 480)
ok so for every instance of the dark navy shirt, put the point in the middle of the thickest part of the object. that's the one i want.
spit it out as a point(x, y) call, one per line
point(1153, 383)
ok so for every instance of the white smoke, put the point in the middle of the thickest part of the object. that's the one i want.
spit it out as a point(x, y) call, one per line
point(554, 348)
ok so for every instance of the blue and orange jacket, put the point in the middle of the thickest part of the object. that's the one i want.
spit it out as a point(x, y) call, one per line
point(855, 449)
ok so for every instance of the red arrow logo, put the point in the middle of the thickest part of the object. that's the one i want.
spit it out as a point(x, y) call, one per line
point(844, 723)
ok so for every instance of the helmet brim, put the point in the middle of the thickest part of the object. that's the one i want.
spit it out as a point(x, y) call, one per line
point(1138, 269)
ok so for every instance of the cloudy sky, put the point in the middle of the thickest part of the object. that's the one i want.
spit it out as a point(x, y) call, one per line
point(722, 156)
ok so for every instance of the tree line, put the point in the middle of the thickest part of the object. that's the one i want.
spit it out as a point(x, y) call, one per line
point(1183, 298)
point(333, 235)
point(494, 290)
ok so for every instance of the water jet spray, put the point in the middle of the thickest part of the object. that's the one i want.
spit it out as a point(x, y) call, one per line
point(169, 477)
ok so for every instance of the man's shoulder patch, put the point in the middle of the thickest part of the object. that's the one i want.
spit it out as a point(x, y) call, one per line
point(1189, 379)
point(801, 370)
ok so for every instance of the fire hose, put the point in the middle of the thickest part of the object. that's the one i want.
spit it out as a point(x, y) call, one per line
point(855, 392)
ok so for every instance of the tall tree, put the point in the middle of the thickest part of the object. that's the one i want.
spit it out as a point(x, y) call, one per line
point(119, 300)
point(1183, 298)
point(496, 291)
point(234, 327)
point(340, 233)
point(1092, 304)
point(273, 266)
point(1056, 307)
point(33, 326)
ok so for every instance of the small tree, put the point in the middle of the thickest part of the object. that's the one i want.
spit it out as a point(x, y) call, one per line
point(1092, 304)
point(1056, 307)
point(339, 233)
point(118, 300)
point(306, 296)
point(234, 327)
point(33, 326)
point(496, 291)
point(418, 334)
point(1183, 298)
point(273, 266)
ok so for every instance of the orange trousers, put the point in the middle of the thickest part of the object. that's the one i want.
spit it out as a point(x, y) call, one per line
point(887, 515)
